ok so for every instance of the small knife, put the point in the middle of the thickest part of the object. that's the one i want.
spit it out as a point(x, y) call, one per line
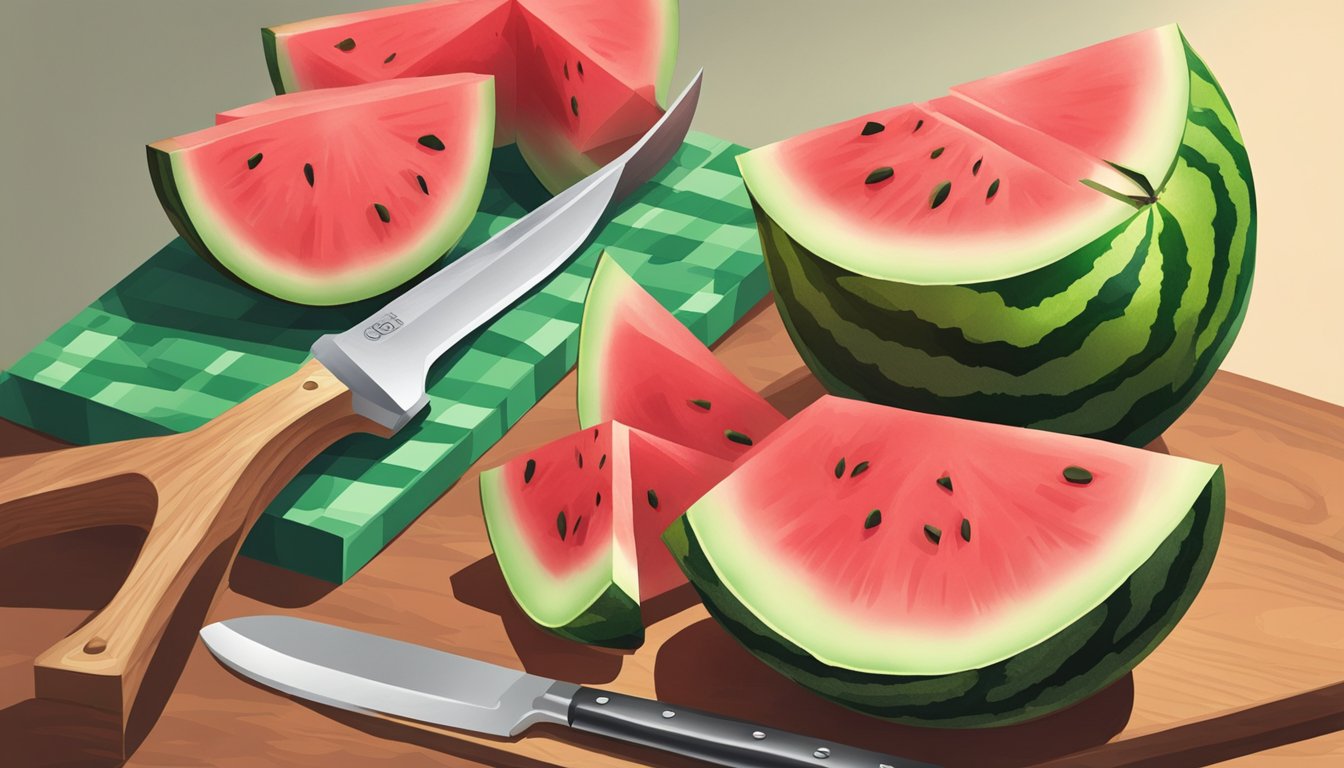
point(376, 675)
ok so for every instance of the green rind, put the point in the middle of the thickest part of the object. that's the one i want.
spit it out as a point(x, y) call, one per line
point(1093, 652)
point(270, 47)
point(1107, 344)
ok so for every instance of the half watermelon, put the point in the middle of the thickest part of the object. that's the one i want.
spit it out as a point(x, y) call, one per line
point(1067, 246)
point(947, 572)
point(575, 525)
point(639, 365)
point(577, 81)
point(336, 196)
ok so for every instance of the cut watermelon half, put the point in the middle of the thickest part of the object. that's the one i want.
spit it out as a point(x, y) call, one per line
point(576, 523)
point(577, 81)
point(639, 365)
point(945, 571)
point(1001, 178)
point(335, 196)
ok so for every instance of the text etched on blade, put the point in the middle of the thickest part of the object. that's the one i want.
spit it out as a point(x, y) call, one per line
point(382, 327)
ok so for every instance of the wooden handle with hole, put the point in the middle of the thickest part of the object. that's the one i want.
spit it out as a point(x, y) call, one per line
point(195, 493)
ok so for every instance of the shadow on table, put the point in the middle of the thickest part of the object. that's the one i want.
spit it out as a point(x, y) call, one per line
point(481, 585)
point(705, 668)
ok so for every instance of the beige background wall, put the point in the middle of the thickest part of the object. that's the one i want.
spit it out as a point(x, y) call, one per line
point(87, 83)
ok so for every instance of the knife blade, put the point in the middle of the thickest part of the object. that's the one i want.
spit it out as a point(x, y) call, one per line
point(376, 675)
point(385, 358)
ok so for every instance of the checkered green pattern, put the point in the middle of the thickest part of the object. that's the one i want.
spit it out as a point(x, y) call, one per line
point(176, 343)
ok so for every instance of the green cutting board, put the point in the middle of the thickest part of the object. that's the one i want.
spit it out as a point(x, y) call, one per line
point(176, 343)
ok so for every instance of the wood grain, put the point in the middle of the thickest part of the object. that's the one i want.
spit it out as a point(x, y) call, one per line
point(1266, 631)
point(194, 493)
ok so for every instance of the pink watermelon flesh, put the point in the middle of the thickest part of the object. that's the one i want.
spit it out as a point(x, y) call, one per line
point(995, 193)
point(432, 38)
point(576, 527)
point(639, 365)
point(578, 81)
point(891, 540)
point(592, 74)
point(333, 198)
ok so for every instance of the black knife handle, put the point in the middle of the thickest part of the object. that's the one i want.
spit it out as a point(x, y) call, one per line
point(712, 738)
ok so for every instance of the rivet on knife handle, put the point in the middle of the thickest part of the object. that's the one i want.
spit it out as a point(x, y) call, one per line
point(719, 740)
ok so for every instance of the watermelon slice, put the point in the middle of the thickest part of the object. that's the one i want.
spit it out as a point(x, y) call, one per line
point(1067, 246)
point(949, 572)
point(575, 526)
point(577, 81)
point(596, 75)
point(336, 196)
point(639, 365)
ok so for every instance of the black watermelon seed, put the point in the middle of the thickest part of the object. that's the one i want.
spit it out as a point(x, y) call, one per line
point(579, 64)
point(577, 520)
point(946, 482)
point(579, 458)
point(939, 194)
point(347, 45)
point(424, 185)
point(653, 499)
point(870, 127)
point(701, 404)
point(966, 529)
point(993, 190)
point(918, 125)
point(390, 57)
point(253, 161)
point(382, 212)
point(873, 520)
point(1077, 475)
point(933, 533)
point(560, 525)
point(879, 174)
point(574, 105)
point(859, 469)
point(602, 462)
point(975, 169)
point(595, 434)
point(529, 470)
point(431, 141)
point(308, 173)
point(566, 70)
point(935, 153)
point(597, 502)
point(737, 437)
point(840, 468)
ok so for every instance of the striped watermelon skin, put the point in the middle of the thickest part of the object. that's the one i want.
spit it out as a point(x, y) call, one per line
point(1093, 652)
point(1114, 340)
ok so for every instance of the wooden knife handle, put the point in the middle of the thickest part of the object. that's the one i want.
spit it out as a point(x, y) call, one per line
point(195, 492)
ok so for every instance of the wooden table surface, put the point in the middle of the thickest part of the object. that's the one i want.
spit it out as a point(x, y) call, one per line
point(1257, 663)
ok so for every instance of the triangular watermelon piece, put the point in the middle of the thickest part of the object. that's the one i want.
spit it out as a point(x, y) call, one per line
point(575, 525)
point(639, 365)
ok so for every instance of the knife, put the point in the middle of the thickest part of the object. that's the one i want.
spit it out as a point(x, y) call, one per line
point(376, 675)
point(197, 492)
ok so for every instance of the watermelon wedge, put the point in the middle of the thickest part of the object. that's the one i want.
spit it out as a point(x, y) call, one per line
point(577, 81)
point(639, 365)
point(1067, 246)
point(947, 572)
point(576, 523)
point(336, 196)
